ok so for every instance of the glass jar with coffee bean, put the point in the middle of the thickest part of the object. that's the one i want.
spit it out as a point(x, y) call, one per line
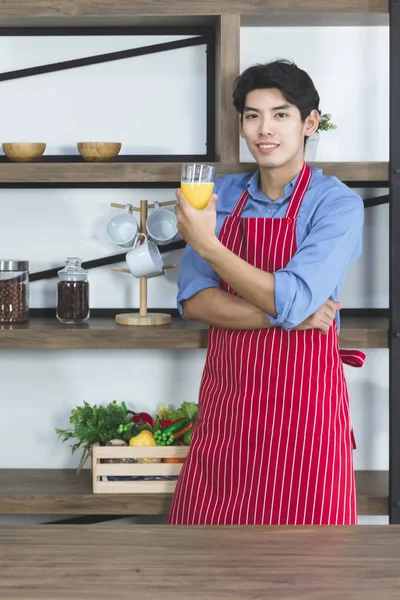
point(14, 291)
point(73, 293)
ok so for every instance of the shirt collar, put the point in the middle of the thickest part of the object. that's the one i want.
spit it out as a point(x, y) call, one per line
point(256, 193)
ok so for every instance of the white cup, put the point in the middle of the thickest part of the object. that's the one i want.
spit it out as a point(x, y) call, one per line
point(162, 225)
point(145, 260)
point(123, 229)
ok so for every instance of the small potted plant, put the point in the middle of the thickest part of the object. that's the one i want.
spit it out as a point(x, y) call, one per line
point(325, 124)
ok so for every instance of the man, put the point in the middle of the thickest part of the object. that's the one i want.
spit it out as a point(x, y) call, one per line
point(264, 267)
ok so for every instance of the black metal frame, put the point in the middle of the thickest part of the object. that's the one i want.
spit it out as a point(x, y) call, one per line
point(101, 262)
point(204, 35)
point(394, 327)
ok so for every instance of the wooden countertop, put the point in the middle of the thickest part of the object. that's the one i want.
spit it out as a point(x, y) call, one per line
point(49, 562)
point(98, 333)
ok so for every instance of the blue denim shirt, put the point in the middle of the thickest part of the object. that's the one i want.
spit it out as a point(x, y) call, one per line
point(329, 231)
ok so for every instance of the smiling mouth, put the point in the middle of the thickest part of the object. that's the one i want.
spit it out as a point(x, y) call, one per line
point(267, 148)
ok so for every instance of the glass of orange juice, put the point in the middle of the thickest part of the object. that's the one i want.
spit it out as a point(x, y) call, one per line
point(197, 184)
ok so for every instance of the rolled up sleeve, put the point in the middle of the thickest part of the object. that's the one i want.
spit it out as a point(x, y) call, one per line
point(320, 262)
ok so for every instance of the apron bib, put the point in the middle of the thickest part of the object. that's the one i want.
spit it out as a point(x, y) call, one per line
point(273, 440)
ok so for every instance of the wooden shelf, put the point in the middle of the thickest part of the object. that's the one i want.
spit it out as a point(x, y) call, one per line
point(124, 172)
point(83, 12)
point(49, 334)
point(346, 171)
point(364, 333)
point(63, 492)
point(321, 19)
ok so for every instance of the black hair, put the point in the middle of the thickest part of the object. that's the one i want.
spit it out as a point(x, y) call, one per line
point(295, 84)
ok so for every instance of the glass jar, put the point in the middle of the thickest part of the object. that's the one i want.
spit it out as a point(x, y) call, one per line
point(14, 291)
point(73, 292)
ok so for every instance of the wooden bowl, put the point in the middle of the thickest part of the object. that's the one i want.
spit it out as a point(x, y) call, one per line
point(23, 152)
point(99, 151)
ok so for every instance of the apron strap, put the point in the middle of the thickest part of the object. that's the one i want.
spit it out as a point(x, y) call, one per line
point(353, 358)
point(240, 204)
point(300, 188)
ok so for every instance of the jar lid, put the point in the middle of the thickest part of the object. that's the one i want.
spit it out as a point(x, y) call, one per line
point(73, 270)
point(13, 264)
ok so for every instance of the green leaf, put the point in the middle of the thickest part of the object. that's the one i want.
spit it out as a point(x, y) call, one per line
point(187, 410)
point(190, 410)
point(172, 414)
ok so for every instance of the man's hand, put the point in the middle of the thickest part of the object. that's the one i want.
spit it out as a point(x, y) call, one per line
point(197, 226)
point(322, 319)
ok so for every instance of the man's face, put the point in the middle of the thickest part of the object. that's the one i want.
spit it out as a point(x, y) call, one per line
point(273, 129)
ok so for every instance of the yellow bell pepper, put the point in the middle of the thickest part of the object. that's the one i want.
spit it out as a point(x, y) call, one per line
point(144, 438)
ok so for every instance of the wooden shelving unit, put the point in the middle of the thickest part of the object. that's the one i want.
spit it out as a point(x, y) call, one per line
point(49, 334)
point(63, 492)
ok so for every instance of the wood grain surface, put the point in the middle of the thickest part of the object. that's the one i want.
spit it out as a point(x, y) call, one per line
point(103, 562)
point(63, 492)
point(228, 58)
point(124, 172)
point(48, 333)
point(103, 334)
point(36, 9)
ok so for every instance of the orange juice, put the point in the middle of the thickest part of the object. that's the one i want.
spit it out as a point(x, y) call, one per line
point(198, 194)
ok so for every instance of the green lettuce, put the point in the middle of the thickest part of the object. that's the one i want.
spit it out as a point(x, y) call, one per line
point(186, 410)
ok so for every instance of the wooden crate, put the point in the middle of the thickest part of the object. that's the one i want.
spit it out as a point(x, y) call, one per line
point(104, 469)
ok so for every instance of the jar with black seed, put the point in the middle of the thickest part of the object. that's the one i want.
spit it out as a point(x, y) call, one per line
point(14, 291)
point(73, 292)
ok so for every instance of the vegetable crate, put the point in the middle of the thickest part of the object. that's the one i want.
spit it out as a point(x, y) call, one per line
point(113, 474)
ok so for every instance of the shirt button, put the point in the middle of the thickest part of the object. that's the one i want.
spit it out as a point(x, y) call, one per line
point(268, 210)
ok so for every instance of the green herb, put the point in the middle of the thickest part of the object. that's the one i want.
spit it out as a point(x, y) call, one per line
point(97, 424)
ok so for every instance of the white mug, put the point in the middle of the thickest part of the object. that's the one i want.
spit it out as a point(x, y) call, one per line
point(145, 260)
point(123, 229)
point(162, 225)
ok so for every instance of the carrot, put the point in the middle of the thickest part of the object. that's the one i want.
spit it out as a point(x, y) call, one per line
point(174, 460)
point(182, 432)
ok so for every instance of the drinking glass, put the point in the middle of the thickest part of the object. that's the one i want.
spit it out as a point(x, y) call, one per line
point(197, 184)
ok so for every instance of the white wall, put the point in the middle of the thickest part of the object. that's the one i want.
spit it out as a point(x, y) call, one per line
point(157, 104)
point(142, 102)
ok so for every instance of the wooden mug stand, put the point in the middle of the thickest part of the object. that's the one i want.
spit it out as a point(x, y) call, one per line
point(142, 317)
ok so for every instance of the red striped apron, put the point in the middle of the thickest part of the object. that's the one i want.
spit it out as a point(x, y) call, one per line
point(273, 440)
